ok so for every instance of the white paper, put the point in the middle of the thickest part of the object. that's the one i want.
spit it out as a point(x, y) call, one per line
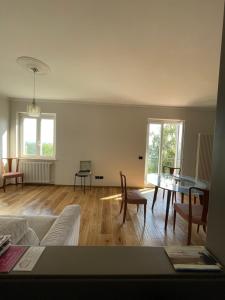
point(29, 259)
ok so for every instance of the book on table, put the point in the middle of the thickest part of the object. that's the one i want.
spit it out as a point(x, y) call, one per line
point(192, 258)
point(10, 257)
point(20, 258)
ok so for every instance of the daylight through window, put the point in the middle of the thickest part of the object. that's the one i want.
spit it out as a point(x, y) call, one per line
point(164, 145)
point(37, 136)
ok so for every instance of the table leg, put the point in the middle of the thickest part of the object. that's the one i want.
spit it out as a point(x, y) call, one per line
point(167, 207)
point(182, 197)
point(155, 196)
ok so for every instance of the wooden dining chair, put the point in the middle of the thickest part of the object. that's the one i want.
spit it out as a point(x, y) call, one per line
point(193, 213)
point(172, 171)
point(130, 197)
point(10, 169)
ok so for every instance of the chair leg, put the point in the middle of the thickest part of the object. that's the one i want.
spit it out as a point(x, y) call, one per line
point(189, 233)
point(16, 180)
point(204, 228)
point(121, 207)
point(22, 181)
point(198, 228)
point(90, 182)
point(163, 194)
point(145, 213)
point(4, 182)
point(137, 208)
point(174, 219)
point(125, 211)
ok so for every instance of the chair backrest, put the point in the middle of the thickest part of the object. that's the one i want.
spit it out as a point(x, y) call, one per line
point(123, 182)
point(85, 165)
point(171, 170)
point(10, 164)
point(204, 200)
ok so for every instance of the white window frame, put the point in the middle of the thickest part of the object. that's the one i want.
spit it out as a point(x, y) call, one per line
point(22, 116)
point(161, 122)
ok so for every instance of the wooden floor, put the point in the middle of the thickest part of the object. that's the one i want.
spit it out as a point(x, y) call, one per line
point(101, 223)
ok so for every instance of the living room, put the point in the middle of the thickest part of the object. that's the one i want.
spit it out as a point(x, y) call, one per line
point(113, 67)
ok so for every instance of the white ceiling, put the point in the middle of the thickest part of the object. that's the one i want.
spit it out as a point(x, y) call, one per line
point(156, 52)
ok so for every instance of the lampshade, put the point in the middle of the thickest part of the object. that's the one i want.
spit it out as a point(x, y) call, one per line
point(33, 110)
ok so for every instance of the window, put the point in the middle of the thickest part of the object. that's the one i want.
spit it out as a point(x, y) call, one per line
point(37, 136)
point(164, 145)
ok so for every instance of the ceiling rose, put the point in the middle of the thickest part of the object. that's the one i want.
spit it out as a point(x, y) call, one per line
point(30, 63)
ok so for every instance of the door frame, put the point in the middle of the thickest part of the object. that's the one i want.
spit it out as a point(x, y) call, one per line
point(161, 121)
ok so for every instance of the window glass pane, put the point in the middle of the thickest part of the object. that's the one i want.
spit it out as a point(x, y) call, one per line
point(154, 147)
point(29, 136)
point(47, 137)
point(169, 144)
point(179, 144)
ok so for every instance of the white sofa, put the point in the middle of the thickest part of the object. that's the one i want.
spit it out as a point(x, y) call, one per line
point(43, 230)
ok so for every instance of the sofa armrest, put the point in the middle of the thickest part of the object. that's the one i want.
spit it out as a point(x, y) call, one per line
point(40, 224)
point(65, 229)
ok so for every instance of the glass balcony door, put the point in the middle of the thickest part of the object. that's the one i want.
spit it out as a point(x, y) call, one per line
point(164, 145)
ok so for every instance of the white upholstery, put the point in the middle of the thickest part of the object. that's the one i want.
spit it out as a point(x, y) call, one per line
point(16, 227)
point(48, 230)
point(40, 224)
point(30, 238)
point(64, 230)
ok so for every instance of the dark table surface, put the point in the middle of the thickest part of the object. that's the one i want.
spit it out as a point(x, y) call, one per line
point(111, 272)
point(99, 261)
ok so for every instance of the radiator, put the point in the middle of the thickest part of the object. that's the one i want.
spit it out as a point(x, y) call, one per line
point(204, 156)
point(36, 171)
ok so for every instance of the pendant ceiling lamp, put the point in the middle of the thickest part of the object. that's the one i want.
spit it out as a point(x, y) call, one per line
point(38, 68)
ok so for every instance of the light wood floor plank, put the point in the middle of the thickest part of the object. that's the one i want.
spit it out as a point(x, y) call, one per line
point(101, 222)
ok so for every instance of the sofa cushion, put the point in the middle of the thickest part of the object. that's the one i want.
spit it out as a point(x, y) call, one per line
point(15, 226)
point(40, 224)
point(63, 229)
point(30, 238)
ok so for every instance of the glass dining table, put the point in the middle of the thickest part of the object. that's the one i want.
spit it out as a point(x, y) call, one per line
point(174, 183)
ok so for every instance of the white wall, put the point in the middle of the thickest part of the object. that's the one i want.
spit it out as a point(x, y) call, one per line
point(4, 126)
point(112, 137)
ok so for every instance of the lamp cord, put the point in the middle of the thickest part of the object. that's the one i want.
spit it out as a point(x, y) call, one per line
point(35, 70)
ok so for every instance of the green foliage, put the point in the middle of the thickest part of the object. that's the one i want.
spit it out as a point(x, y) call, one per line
point(47, 149)
point(169, 145)
point(168, 150)
point(153, 153)
point(30, 148)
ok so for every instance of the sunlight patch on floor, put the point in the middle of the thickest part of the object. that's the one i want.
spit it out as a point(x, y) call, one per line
point(146, 190)
point(112, 197)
